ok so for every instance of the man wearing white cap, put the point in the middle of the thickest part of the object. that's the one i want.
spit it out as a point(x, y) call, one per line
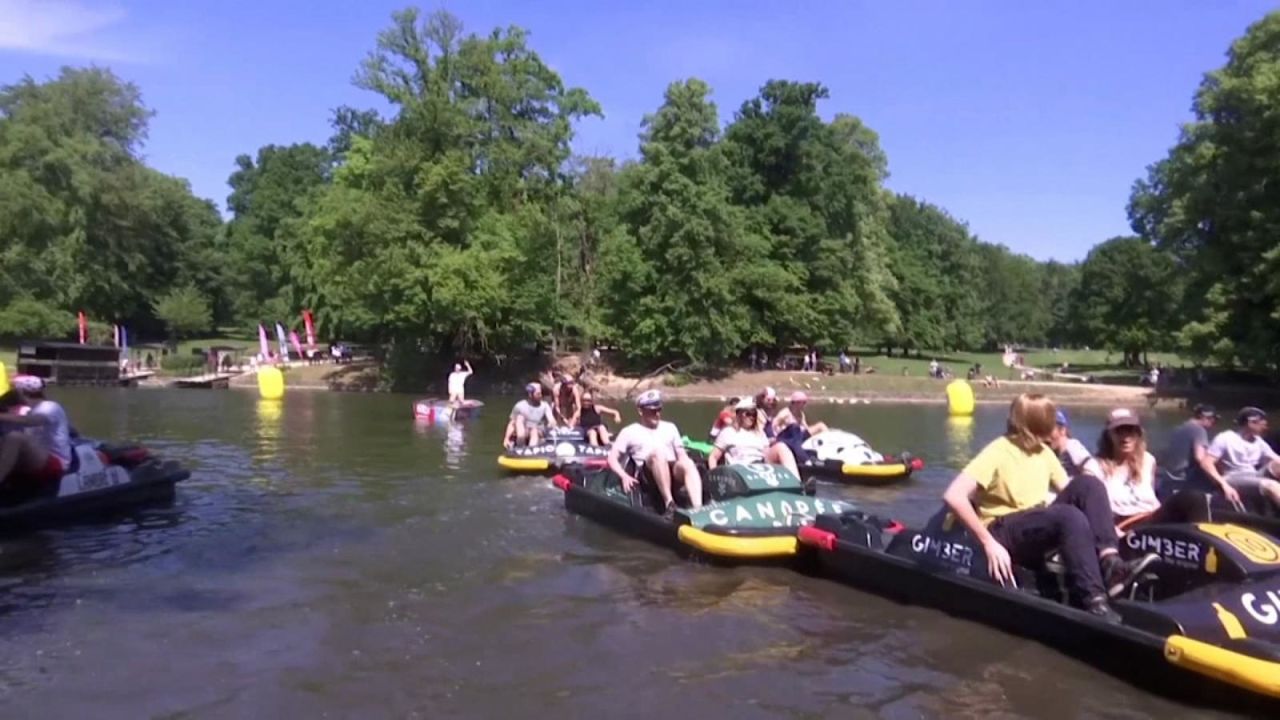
point(43, 451)
point(656, 445)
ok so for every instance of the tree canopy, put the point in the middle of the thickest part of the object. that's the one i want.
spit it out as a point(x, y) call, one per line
point(459, 221)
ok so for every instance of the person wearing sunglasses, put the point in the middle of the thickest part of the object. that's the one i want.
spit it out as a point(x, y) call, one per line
point(744, 442)
point(656, 445)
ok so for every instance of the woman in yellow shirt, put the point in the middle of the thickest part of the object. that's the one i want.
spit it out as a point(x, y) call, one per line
point(1001, 497)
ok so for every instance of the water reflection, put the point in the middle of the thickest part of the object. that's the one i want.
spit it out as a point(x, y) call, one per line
point(269, 414)
point(959, 441)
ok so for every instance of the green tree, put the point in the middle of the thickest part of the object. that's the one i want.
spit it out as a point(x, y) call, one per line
point(1126, 291)
point(675, 280)
point(812, 193)
point(1015, 308)
point(184, 312)
point(1213, 203)
point(935, 261)
point(27, 319)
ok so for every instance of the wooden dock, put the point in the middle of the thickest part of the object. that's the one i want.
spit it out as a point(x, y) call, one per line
point(217, 381)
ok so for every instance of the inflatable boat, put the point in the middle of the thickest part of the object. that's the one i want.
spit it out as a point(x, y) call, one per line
point(101, 479)
point(839, 455)
point(1202, 624)
point(440, 411)
point(750, 512)
point(562, 448)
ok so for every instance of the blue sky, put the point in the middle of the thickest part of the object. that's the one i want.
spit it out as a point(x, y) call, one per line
point(1030, 121)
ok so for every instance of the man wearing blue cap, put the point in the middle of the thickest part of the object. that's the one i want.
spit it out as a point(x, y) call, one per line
point(1075, 457)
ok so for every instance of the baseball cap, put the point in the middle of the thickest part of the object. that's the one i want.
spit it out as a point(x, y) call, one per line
point(1060, 417)
point(27, 383)
point(649, 399)
point(1245, 415)
point(799, 397)
point(1122, 417)
point(745, 404)
point(1204, 411)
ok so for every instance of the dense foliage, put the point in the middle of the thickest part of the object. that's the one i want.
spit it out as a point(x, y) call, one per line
point(460, 222)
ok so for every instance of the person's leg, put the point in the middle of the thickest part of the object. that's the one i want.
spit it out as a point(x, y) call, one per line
point(1089, 495)
point(780, 454)
point(1271, 491)
point(522, 430)
point(19, 452)
point(817, 428)
point(1031, 534)
point(687, 472)
point(661, 474)
point(535, 434)
point(592, 438)
point(603, 432)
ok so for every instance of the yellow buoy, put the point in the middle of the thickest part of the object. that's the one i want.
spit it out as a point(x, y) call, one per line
point(960, 397)
point(4, 379)
point(270, 383)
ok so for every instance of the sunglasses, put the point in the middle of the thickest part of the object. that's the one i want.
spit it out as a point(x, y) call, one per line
point(651, 409)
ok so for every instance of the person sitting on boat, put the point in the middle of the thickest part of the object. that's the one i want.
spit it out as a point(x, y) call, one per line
point(41, 453)
point(725, 418)
point(458, 383)
point(744, 443)
point(1129, 472)
point(1184, 463)
point(592, 425)
point(767, 404)
point(568, 402)
point(1000, 498)
point(1074, 456)
point(12, 402)
point(1243, 460)
point(655, 445)
point(530, 419)
point(791, 419)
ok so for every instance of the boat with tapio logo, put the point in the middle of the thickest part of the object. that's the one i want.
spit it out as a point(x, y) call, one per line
point(840, 455)
point(101, 479)
point(1202, 624)
point(750, 512)
point(442, 411)
point(562, 448)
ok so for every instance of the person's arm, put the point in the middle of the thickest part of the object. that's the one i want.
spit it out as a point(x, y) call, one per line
point(28, 420)
point(508, 436)
point(1208, 461)
point(617, 416)
point(713, 459)
point(959, 498)
point(468, 364)
point(615, 464)
point(781, 420)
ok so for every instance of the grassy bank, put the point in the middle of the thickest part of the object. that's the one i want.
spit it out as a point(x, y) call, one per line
point(1103, 365)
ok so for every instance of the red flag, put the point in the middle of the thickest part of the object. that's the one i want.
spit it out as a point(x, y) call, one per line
point(311, 328)
point(84, 329)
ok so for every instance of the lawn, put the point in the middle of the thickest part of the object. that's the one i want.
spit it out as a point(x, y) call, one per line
point(1103, 365)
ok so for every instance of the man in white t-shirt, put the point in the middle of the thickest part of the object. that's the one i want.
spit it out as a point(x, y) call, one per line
point(458, 383)
point(1244, 459)
point(656, 445)
point(43, 451)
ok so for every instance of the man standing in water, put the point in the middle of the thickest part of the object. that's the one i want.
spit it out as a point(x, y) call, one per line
point(458, 383)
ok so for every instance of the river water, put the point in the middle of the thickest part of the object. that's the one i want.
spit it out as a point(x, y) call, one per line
point(329, 558)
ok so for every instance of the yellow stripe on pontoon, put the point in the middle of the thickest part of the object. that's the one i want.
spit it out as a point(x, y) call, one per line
point(874, 470)
point(1250, 673)
point(534, 464)
point(738, 546)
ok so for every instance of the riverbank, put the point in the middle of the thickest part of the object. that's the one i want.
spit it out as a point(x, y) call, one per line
point(847, 389)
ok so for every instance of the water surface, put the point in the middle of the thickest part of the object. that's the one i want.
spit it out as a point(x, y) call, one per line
point(331, 558)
